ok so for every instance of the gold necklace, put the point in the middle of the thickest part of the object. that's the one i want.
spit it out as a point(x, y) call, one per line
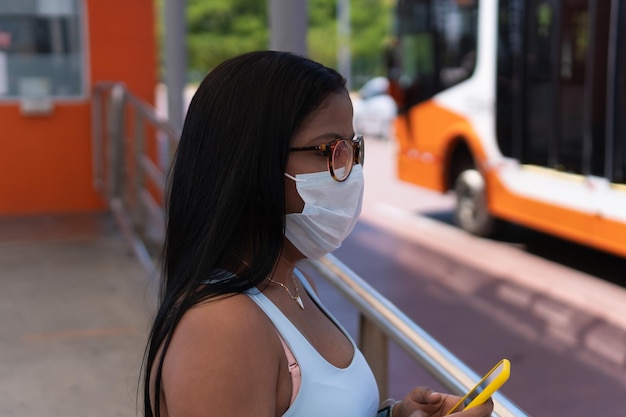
point(296, 297)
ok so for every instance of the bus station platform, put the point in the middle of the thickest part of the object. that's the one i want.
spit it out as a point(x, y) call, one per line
point(76, 307)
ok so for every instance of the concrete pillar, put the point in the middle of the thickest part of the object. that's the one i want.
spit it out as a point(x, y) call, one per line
point(175, 58)
point(344, 58)
point(288, 22)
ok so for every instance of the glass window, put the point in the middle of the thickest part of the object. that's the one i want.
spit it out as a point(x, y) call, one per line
point(619, 174)
point(437, 42)
point(621, 127)
point(574, 99)
point(540, 83)
point(41, 52)
point(415, 66)
point(456, 26)
point(510, 116)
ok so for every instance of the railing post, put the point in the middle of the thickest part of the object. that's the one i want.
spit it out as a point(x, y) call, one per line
point(97, 141)
point(116, 130)
point(374, 345)
point(138, 212)
point(172, 145)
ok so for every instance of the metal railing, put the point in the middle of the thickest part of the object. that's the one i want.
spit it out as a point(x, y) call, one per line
point(126, 169)
point(126, 130)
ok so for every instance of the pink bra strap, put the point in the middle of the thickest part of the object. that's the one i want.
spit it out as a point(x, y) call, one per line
point(294, 370)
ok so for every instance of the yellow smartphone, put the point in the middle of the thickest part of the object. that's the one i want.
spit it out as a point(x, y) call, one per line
point(493, 380)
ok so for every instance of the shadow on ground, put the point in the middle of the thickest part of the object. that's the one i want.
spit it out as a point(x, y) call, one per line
point(601, 264)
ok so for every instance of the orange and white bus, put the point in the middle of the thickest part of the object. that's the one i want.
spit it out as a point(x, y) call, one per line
point(519, 106)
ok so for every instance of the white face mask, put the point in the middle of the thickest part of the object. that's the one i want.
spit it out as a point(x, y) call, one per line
point(331, 210)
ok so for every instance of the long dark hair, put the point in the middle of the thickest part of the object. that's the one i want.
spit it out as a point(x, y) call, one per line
point(226, 188)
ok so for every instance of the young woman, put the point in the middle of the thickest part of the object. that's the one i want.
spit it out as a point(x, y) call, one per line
point(268, 171)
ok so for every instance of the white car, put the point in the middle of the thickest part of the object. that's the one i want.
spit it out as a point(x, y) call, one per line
point(374, 109)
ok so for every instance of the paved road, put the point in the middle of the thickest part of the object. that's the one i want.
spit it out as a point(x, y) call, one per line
point(564, 330)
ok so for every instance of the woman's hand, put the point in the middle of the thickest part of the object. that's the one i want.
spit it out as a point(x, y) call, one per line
point(423, 402)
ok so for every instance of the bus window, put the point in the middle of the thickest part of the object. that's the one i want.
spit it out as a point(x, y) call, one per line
point(595, 141)
point(437, 43)
point(574, 54)
point(540, 89)
point(619, 151)
point(510, 116)
point(621, 118)
point(41, 53)
point(456, 25)
point(416, 68)
point(565, 86)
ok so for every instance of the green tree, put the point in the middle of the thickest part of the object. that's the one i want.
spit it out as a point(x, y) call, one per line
point(322, 35)
point(220, 29)
point(370, 23)
point(370, 32)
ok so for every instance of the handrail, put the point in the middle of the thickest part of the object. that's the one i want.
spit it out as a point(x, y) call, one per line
point(124, 169)
point(140, 216)
point(449, 370)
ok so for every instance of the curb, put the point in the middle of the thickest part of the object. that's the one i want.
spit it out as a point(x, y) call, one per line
point(602, 299)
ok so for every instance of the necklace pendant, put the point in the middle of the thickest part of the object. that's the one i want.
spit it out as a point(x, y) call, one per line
point(299, 301)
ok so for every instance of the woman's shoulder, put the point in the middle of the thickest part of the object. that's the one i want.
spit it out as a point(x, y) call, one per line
point(231, 317)
point(214, 345)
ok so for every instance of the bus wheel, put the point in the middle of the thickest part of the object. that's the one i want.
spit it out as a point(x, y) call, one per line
point(471, 212)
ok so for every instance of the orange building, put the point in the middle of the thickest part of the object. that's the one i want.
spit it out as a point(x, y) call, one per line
point(52, 53)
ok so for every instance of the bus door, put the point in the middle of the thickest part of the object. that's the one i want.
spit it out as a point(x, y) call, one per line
point(552, 82)
point(552, 72)
point(609, 227)
point(618, 170)
point(616, 107)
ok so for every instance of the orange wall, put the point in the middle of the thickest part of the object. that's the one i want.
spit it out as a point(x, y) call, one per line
point(45, 161)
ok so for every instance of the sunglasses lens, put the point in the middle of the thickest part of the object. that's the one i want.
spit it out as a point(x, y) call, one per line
point(342, 159)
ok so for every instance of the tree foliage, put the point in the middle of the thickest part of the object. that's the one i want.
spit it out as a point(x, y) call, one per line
point(219, 29)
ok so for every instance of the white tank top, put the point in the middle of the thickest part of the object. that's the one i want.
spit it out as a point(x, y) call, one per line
point(325, 390)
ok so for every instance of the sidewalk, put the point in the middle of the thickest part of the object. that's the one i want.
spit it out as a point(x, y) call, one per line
point(76, 307)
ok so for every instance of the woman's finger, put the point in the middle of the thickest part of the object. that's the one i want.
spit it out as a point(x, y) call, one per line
point(423, 395)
